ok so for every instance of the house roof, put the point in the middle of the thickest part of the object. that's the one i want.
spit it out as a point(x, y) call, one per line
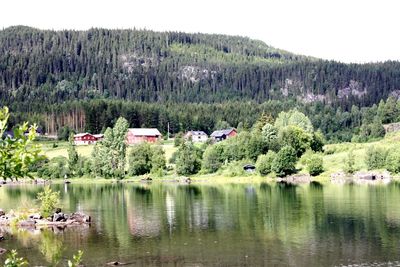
point(82, 134)
point(98, 135)
point(144, 131)
point(196, 133)
point(220, 133)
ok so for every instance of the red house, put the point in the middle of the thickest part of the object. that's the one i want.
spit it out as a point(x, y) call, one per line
point(84, 139)
point(87, 138)
point(139, 135)
point(223, 134)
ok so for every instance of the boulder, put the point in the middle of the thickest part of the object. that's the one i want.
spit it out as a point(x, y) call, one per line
point(35, 216)
point(27, 223)
point(115, 263)
point(58, 210)
point(295, 179)
point(80, 217)
point(58, 217)
point(2, 251)
point(2, 213)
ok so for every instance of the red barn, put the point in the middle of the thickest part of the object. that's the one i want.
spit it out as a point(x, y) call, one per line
point(223, 134)
point(139, 135)
point(84, 139)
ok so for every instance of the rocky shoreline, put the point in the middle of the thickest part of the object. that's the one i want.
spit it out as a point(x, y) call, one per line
point(35, 220)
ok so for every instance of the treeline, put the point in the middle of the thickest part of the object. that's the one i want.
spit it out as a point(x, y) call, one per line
point(47, 67)
point(357, 124)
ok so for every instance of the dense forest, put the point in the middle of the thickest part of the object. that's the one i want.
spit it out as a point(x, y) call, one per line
point(87, 79)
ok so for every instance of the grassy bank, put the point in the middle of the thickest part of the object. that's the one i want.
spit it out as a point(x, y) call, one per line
point(334, 159)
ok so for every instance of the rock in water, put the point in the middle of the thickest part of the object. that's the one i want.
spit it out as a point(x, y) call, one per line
point(115, 263)
point(58, 217)
point(2, 251)
point(80, 217)
point(35, 216)
point(2, 213)
point(27, 223)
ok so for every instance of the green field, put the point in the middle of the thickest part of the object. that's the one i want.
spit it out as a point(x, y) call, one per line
point(334, 156)
point(86, 150)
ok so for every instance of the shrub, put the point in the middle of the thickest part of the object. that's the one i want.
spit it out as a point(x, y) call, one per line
point(375, 158)
point(296, 137)
point(172, 159)
point(315, 164)
point(48, 201)
point(188, 159)
point(158, 162)
point(393, 161)
point(83, 166)
point(178, 140)
point(349, 164)
point(145, 158)
point(318, 141)
point(212, 158)
point(76, 260)
point(13, 260)
point(54, 169)
point(235, 168)
point(285, 161)
point(264, 163)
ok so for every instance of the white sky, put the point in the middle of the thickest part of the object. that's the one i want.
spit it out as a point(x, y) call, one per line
point(344, 30)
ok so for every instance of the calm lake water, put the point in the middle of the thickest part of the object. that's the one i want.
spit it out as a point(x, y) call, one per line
point(165, 224)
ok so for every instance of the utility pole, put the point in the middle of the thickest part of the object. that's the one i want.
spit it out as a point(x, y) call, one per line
point(168, 131)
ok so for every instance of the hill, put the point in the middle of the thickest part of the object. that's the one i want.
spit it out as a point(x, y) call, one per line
point(86, 79)
point(54, 66)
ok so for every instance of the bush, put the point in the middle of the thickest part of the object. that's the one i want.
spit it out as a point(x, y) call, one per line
point(264, 163)
point(296, 137)
point(145, 158)
point(212, 158)
point(285, 161)
point(178, 139)
point(375, 158)
point(188, 159)
point(158, 162)
point(83, 166)
point(235, 168)
point(315, 164)
point(318, 141)
point(48, 201)
point(172, 159)
point(54, 169)
point(393, 161)
point(349, 165)
point(13, 260)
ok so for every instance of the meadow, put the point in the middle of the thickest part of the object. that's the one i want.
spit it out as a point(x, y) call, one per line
point(334, 156)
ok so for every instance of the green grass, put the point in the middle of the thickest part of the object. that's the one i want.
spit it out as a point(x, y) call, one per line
point(86, 150)
point(334, 159)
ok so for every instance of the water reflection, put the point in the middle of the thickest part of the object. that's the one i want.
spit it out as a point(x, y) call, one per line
point(231, 225)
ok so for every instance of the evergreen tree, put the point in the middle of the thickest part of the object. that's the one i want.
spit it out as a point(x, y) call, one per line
point(73, 156)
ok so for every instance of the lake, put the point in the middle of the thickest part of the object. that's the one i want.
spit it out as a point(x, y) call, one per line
point(166, 224)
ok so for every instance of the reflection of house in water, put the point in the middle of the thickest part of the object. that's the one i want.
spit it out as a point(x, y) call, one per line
point(144, 219)
point(198, 215)
point(170, 208)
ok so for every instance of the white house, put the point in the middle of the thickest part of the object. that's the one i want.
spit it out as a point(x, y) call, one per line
point(196, 136)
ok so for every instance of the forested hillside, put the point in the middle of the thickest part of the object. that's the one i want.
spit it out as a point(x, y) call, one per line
point(53, 76)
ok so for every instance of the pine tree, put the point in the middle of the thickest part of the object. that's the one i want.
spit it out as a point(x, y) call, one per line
point(73, 156)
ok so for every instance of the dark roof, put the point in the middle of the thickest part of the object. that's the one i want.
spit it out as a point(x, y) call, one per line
point(249, 167)
point(220, 133)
